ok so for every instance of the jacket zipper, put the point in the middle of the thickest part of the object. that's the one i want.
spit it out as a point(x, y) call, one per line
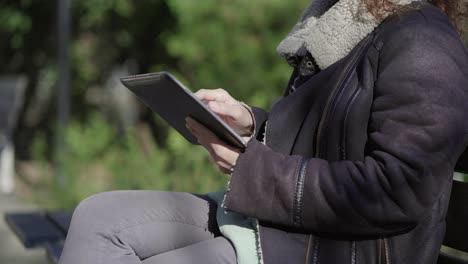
point(343, 147)
point(383, 251)
point(344, 154)
point(316, 244)
point(297, 206)
point(313, 242)
point(353, 252)
point(386, 251)
point(329, 106)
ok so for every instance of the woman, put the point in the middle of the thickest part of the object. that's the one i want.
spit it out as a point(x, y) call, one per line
point(353, 165)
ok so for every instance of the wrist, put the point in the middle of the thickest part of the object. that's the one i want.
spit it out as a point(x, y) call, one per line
point(250, 127)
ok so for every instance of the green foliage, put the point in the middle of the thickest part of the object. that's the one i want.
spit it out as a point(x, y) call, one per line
point(209, 44)
point(232, 44)
point(98, 160)
point(94, 10)
point(105, 34)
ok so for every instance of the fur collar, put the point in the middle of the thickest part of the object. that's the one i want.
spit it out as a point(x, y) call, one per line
point(329, 29)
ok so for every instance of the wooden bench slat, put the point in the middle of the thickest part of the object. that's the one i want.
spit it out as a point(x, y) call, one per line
point(462, 164)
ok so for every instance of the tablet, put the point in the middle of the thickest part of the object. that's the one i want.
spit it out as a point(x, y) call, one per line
point(169, 98)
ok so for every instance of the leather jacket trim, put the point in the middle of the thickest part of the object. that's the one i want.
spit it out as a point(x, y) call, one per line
point(386, 251)
point(316, 244)
point(353, 252)
point(297, 206)
point(309, 244)
point(383, 251)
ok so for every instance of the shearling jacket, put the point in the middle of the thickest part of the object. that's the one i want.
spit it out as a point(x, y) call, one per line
point(357, 163)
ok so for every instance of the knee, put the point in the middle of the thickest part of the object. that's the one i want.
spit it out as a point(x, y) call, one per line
point(94, 211)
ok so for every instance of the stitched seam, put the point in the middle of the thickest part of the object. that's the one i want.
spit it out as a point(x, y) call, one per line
point(353, 252)
point(258, 242)
point(294, 205)
point(316, 248)
point(297, 208)
point(228, 188)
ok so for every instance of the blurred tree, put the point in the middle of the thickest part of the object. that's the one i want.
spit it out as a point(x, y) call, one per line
point(207, 43)
point(26, 29)
point(210, 43)
point(117, 32)
point(106, 33)
point(232, 44)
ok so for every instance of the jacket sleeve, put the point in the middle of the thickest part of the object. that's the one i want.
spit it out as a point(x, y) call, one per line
point(417, 129)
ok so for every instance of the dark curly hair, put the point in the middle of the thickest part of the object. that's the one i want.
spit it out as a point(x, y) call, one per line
point(456, 10)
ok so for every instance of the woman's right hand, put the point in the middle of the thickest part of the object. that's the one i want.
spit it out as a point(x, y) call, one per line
point(235, 114)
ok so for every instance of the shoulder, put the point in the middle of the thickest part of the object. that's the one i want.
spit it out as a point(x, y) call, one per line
point(424, 38)
point(424, 25)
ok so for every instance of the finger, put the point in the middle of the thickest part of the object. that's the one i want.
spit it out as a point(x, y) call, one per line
point(203, 133)
point(191, 126)
point(205, 137)
point(234, 111)
point(207, 95)
point(223, 155)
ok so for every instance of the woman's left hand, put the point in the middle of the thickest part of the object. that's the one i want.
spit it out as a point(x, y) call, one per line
point(224, 155)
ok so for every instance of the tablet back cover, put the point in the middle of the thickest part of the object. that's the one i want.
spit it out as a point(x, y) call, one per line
point(163, 94)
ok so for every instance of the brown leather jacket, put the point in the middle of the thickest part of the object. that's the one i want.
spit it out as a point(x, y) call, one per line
point(358, 161)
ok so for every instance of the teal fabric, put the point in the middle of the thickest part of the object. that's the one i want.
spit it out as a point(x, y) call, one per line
point(242, 231)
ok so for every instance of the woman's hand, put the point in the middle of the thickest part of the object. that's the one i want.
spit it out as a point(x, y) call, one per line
point(236, 115)
point(224, 155)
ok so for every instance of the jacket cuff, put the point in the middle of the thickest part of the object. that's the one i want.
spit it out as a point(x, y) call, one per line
point(252, 193)
point(237, 195)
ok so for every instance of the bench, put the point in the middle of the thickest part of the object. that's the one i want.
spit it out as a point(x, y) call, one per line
point(49, 229)
point(456, 234)
point(41, 230)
